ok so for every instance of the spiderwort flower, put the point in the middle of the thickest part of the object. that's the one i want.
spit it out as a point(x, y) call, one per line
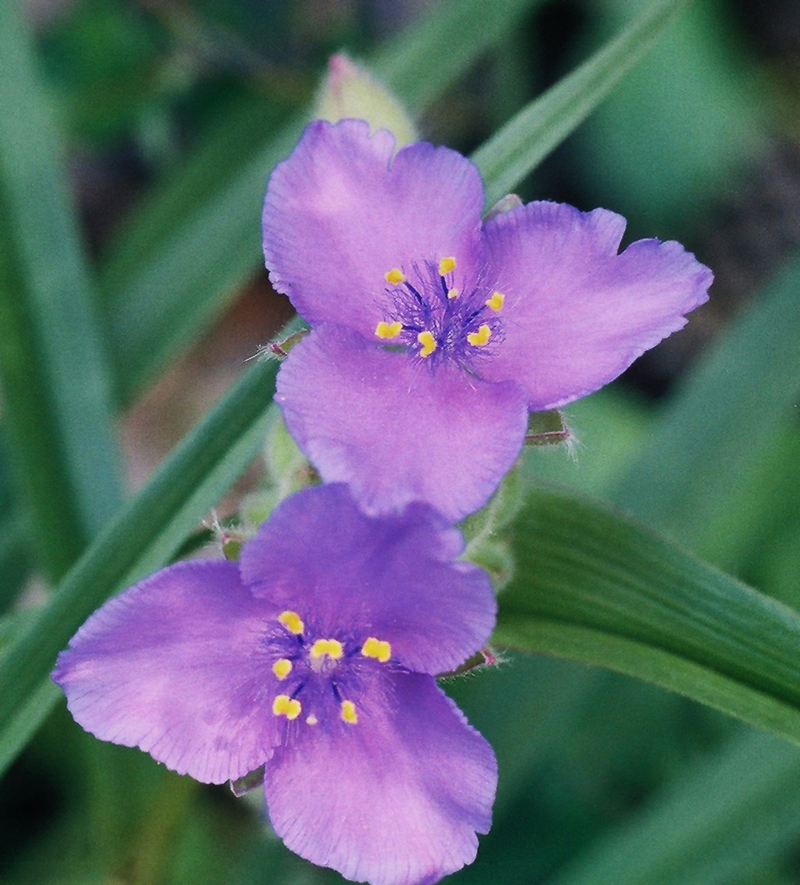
point(314, 654)
point(434, 334)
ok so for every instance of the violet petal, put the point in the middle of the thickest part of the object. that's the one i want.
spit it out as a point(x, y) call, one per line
point(339, 213)
point(391, 577)
point(396, 429)
point(577, 313)
point(173, 665)
point(395, 799)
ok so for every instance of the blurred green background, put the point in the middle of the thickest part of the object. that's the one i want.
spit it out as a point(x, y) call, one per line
point(169, 115)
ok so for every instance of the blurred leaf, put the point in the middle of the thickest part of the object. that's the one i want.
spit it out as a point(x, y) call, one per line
point(593, 586)
point(578, 747)
point(434, 51)
point(675, 131)
point(55, 382)
point(27, 720)
point(524, 141)
point(173, 269)
point(36, 707)
point(141, 539)
point(14, 556)
point(157, 309)
point(237, 134)
point(723, 820)
point(103, 59)
point(742, 394)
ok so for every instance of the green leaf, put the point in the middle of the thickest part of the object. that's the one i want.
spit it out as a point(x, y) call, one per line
point(430, 55)
point(55, 381)
point(14, 556)
point(721, 821)
point(688, 119)
point(525, 140)
point(235, 137)
point(735, 403)
point(175, 267)
point(141, 539)
point(594, 586)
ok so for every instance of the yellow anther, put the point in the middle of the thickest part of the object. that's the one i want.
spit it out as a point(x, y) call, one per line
point(428, 343)
point(283, 705)
point(282, 668)
point(395, 276)
point(388, 330)
point(446, 265)
point(292, 622)
point(331, 647)
point(312, 720)
point(496, 301)
point(349, 712)
point(379, 649)
point(453, 293)
point(481, 337)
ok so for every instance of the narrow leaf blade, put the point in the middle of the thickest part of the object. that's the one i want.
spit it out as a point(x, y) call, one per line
point(55, 379)
point(594, 586)
point(542, 125)
point(142, 538)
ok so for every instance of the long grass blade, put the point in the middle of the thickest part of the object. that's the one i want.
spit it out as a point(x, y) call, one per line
point(56, 396)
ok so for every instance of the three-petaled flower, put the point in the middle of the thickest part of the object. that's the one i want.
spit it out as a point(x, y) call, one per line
point(316, 655)
point(435, 334)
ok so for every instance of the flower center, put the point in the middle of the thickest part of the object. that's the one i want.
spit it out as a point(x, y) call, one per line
point(320, 676)
point(439, 316)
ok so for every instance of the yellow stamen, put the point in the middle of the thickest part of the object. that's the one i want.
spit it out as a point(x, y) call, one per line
point(481, 337)
point(379, 649)
point(388, 330)
point(395, 276)
point(331, 647)
point(312, 720)
point(349, 712)
point(428, 343)
point(283, 705)
point(496, 301)
point(292, 622)
point(282, 668)
point(446, 265)
point(453, 293)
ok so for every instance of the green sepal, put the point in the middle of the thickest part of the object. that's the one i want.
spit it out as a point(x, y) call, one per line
point(546, 429)
point(483, 531)
point(287, 470)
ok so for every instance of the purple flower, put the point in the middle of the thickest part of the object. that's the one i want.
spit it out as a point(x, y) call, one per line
point(314, 654)
point(435, 334)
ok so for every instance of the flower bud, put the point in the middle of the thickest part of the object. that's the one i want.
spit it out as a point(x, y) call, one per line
point(349, 90)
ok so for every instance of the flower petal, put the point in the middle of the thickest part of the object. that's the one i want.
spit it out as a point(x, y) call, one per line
point(576, 312)
point(398, 430)
point(173, 666)
point(392, 577)
point(395, 799)
point(339, 213)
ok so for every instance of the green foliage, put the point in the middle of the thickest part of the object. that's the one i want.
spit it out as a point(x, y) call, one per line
point(594, 587)
point(55, 379)
point(525, 140)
